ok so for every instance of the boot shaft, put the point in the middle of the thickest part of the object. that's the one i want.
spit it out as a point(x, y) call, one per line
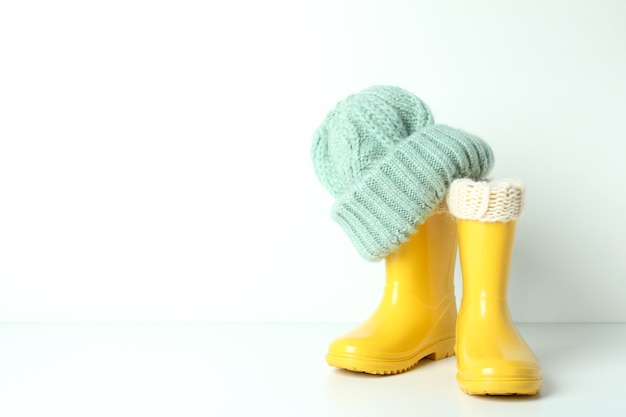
point(424, 265)
point(485, 253)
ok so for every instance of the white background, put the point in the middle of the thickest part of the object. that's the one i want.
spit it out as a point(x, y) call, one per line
point(154, 155)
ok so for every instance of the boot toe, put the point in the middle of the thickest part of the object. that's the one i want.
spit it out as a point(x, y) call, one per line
point(363, 355)
point(504, 378)
point(384, 356)
point(502, 369)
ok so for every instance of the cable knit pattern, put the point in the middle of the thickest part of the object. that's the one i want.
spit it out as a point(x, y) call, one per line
point(388, 165)
point(499, 200)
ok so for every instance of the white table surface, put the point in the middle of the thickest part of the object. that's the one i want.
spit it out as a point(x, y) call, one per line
point(200, 369)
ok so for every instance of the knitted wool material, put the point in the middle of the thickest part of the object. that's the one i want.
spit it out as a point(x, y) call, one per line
point(499, 200)
point(380, 154)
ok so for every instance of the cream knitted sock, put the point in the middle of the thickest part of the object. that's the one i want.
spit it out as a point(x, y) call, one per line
point(500, 200)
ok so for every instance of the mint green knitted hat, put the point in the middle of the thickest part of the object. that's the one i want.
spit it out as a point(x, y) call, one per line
point(388, 165)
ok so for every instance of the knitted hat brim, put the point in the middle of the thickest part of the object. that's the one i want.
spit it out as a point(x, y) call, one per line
point(381, 211)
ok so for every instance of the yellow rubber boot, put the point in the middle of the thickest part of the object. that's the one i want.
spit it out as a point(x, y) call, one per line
point(492, 357)
point(416, 317)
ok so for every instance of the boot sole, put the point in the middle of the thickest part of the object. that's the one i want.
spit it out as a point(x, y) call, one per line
point(500, 387)
point(435, 352)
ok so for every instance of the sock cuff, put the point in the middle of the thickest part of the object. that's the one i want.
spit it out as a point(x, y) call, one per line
point(500, 200)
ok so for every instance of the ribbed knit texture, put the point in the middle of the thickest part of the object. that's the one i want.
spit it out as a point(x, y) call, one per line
point(389, 166)
point(500, 200)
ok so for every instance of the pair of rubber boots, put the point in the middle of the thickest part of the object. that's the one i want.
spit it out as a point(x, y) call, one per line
point(417, 317)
